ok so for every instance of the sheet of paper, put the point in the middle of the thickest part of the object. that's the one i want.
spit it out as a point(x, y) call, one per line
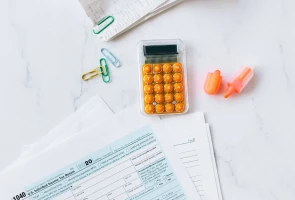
point(125, 13)
point(193, 147)
point(92, 112)
point(214, 162)
point(168, 4)
point(135, 165)
point(96, 116)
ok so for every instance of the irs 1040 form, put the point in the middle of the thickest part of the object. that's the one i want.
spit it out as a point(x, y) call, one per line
point(134, 167)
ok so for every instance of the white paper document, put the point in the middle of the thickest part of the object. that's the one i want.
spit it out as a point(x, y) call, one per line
point(127, 14)
point(136, 162)
point(217, 182)
point(190, 136)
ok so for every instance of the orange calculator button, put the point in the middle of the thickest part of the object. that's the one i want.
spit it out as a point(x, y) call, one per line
point(148, 79)
point(169, 98)
point(158, 78)
point(148, 89)
point(158, 88)
point(157, 68)
point(149, 98)
point(178, 97)
point(169, 107)
point(179, 107)
point(168, 87)
point(147, 69)
point(168, 78)
point(178, 87)
point(149, 108)
point(167, 68)
point(177, 67)
point(159, 98)
point(160, 108)
point(177, 77)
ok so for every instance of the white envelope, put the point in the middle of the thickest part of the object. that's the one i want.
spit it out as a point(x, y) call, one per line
point(93, 112)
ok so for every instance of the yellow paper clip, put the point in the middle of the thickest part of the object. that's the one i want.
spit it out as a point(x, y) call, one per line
point(91, 74)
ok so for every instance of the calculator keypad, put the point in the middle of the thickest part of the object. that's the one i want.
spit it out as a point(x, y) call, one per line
point(163, 88)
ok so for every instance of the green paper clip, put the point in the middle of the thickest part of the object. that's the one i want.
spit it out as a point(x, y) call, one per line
point(111, 57)
point(112, 19)
point(104, 69)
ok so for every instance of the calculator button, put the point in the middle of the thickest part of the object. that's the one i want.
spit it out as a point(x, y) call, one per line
point(167, 68)
point(168, 78)
point(149, 108)
point(148, 89)
point(147, 69)
point(177, 77)
point(178, 87)
point(149, 98)
point(159, 98)
point(157, 68)
point(158, 88)
point(168, 87)
point(169, 98)
point(177, 67)
point(169, 107)
point(178, 97)
point(160, 108)
point(148, 79)
point(158, 78)
point(179, 107)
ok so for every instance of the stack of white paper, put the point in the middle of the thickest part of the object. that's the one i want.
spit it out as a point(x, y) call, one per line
point(96, 155)
point(127, 14)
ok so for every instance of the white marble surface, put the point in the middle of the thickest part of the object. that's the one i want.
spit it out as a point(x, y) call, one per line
point(46, 45)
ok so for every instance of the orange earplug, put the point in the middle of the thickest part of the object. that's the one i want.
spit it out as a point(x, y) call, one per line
point(212, 83)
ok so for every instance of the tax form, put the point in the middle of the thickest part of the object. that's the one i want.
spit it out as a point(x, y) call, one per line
point(138, 165)
point(195, 156)
point(193, 147)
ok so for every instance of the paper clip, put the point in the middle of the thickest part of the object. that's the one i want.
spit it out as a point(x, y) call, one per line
point(109, 22)
point(91, 74)
point(104, 70)
point(110, 57)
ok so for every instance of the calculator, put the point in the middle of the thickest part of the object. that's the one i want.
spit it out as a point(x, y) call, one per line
point(163, 78)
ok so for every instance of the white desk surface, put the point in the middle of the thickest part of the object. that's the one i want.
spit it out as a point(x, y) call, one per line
point(46, 45)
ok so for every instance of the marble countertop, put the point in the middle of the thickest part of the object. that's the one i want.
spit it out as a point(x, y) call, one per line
point(46, 45)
